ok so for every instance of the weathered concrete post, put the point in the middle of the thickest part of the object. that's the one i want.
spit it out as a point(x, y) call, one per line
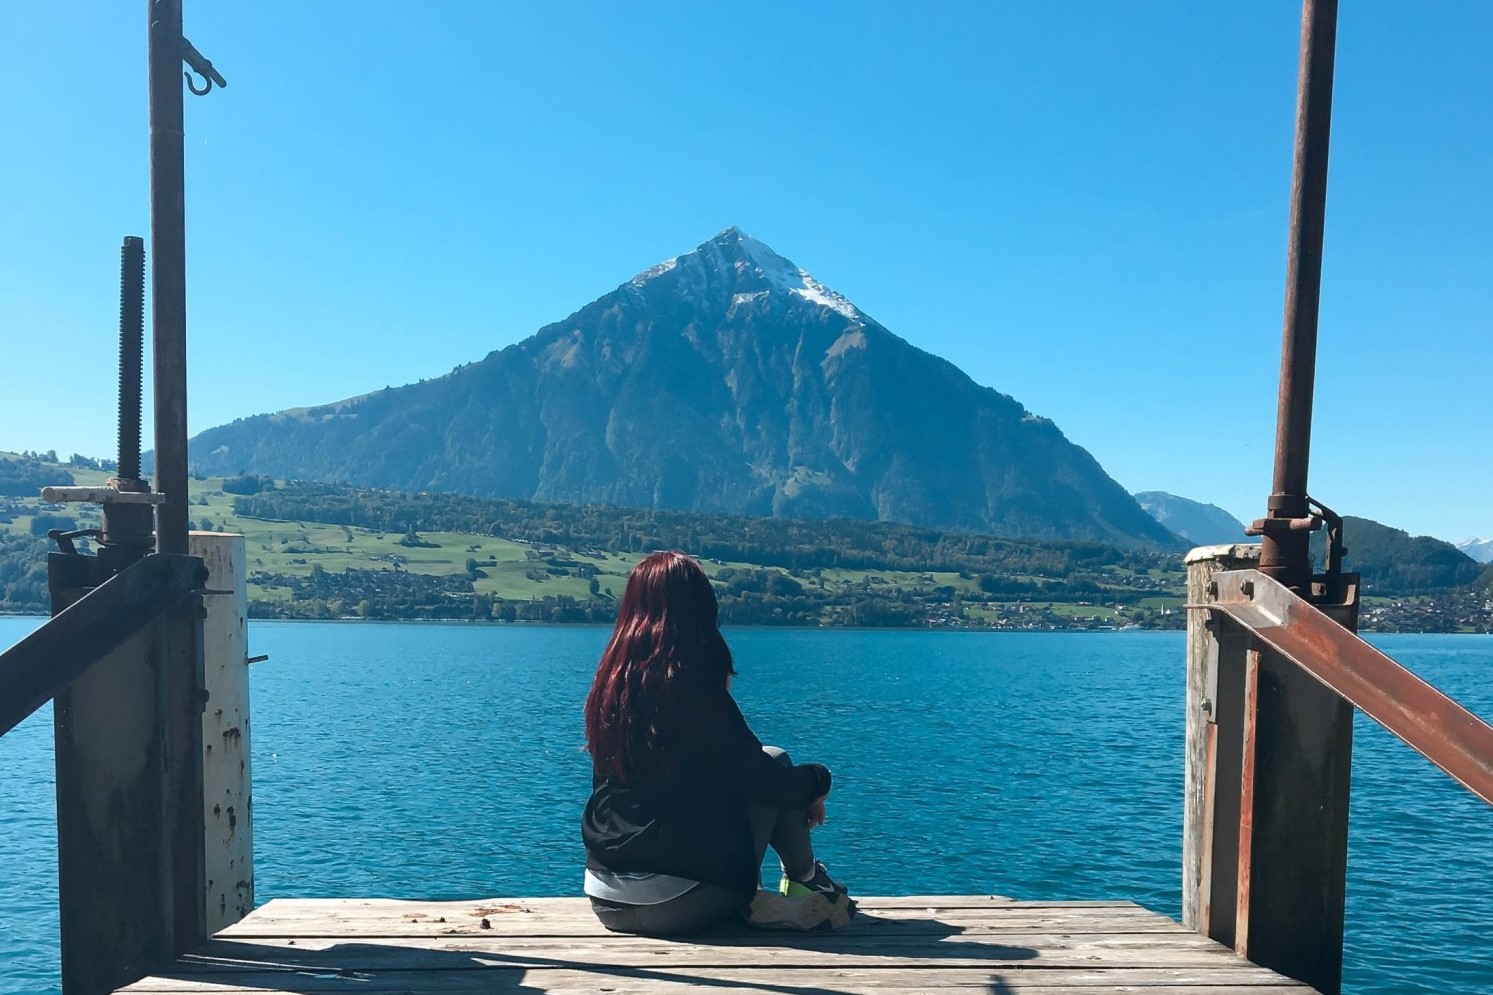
point(226, 767)
point(1216, 667)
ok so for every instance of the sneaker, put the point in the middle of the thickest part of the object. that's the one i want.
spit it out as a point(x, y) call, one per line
point(812, 910)
point(819, 881)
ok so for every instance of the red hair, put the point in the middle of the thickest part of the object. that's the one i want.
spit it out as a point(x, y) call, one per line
point(665, 651)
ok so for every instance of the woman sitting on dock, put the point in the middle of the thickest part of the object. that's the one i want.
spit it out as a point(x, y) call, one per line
point(685, 798)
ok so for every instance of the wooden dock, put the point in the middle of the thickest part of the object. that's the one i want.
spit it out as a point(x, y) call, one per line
point(916, 944)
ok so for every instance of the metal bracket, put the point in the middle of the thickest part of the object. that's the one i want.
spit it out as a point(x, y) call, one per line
point(1273, 526)
point(1336, 551)
point(202, 67)
point(64, 540)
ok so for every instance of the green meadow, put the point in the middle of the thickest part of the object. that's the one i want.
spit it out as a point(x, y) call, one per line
point(315, 569)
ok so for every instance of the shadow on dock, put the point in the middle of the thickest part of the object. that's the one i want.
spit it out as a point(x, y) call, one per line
point(975, 944)
point(608, 962)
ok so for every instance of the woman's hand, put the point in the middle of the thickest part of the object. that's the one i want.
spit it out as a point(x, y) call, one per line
point(815, 813)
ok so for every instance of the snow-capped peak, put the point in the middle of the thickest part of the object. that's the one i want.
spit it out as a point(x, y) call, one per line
point(1479, 549)
point(734, 248)
point(653, 271)
point(783, 275)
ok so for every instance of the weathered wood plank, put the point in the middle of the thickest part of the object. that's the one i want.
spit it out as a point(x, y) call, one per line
point(553, 906)
point(555, 946)
point(516, 920)
point(430, 982)
point(227, 773)
point(810, 951)
point(1255, 980)
point(1212, 746)
point(865, 924)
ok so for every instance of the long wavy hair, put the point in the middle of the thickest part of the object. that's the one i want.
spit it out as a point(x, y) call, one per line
point(665, 652)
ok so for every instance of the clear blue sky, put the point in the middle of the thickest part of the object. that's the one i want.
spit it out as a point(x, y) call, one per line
point(1083, 205)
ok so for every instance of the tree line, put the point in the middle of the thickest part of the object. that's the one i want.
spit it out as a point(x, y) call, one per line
point(785, 543)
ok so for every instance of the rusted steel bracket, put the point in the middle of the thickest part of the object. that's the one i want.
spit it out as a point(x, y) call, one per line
point(1434, 725)
point(1318, 515)
point(51, 658)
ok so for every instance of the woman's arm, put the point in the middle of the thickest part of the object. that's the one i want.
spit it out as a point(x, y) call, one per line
point(733, 749)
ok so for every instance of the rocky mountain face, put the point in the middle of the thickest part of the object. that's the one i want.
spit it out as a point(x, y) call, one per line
point(1200, 524)
point(726, 380)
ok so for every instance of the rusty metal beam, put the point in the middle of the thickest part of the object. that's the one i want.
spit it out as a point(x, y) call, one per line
point(1438, 728)
point(35, 669)
point(1285, 554)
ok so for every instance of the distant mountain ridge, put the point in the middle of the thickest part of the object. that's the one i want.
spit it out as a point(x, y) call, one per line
point(1395, 563)
point(1200, 524)
point(1479, 549)
point(1392, 562)
point(729, 380)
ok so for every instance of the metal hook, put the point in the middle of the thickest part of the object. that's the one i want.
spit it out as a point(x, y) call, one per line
point(202, 67)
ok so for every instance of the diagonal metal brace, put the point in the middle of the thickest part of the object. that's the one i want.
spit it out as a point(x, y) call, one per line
point(51, 658)
point(1438, 728)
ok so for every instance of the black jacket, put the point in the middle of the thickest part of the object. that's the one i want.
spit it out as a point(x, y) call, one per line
point(692, 822)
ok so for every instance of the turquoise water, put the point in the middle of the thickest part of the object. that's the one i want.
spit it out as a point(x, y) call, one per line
point(444, 761)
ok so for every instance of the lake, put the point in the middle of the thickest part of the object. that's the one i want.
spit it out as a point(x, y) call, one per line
point(444, 761)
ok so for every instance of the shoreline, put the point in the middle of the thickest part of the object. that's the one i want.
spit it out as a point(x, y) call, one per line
point(538, 624)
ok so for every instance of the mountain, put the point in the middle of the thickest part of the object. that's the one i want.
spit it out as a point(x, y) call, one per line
point(727, 380)
point(1198, 523)
point(1479, 549)
point(1394, 563)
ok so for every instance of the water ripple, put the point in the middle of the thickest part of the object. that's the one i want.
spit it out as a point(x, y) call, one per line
point(444, 761)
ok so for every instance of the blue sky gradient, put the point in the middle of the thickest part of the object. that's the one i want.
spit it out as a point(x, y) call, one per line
point(1082, 205)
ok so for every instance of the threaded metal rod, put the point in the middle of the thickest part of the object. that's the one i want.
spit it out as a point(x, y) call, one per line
point(131, 352)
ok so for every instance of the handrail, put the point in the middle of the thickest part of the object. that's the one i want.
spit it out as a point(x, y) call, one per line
point(1437, 727)
point(35, 669)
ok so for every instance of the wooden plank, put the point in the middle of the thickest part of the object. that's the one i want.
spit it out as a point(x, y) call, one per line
point(1211, 745)
point(573, 903)
point(575, 910)
point(555, 946)
point(412, 919)
point(820, 952)
point(353, 908)
point(422, 983)
point(877, 981)
point(878, 924)
point(226, 761)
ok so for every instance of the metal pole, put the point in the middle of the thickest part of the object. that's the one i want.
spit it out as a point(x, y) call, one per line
point(182, 722)
point(168, 272)
point(1285, 553)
